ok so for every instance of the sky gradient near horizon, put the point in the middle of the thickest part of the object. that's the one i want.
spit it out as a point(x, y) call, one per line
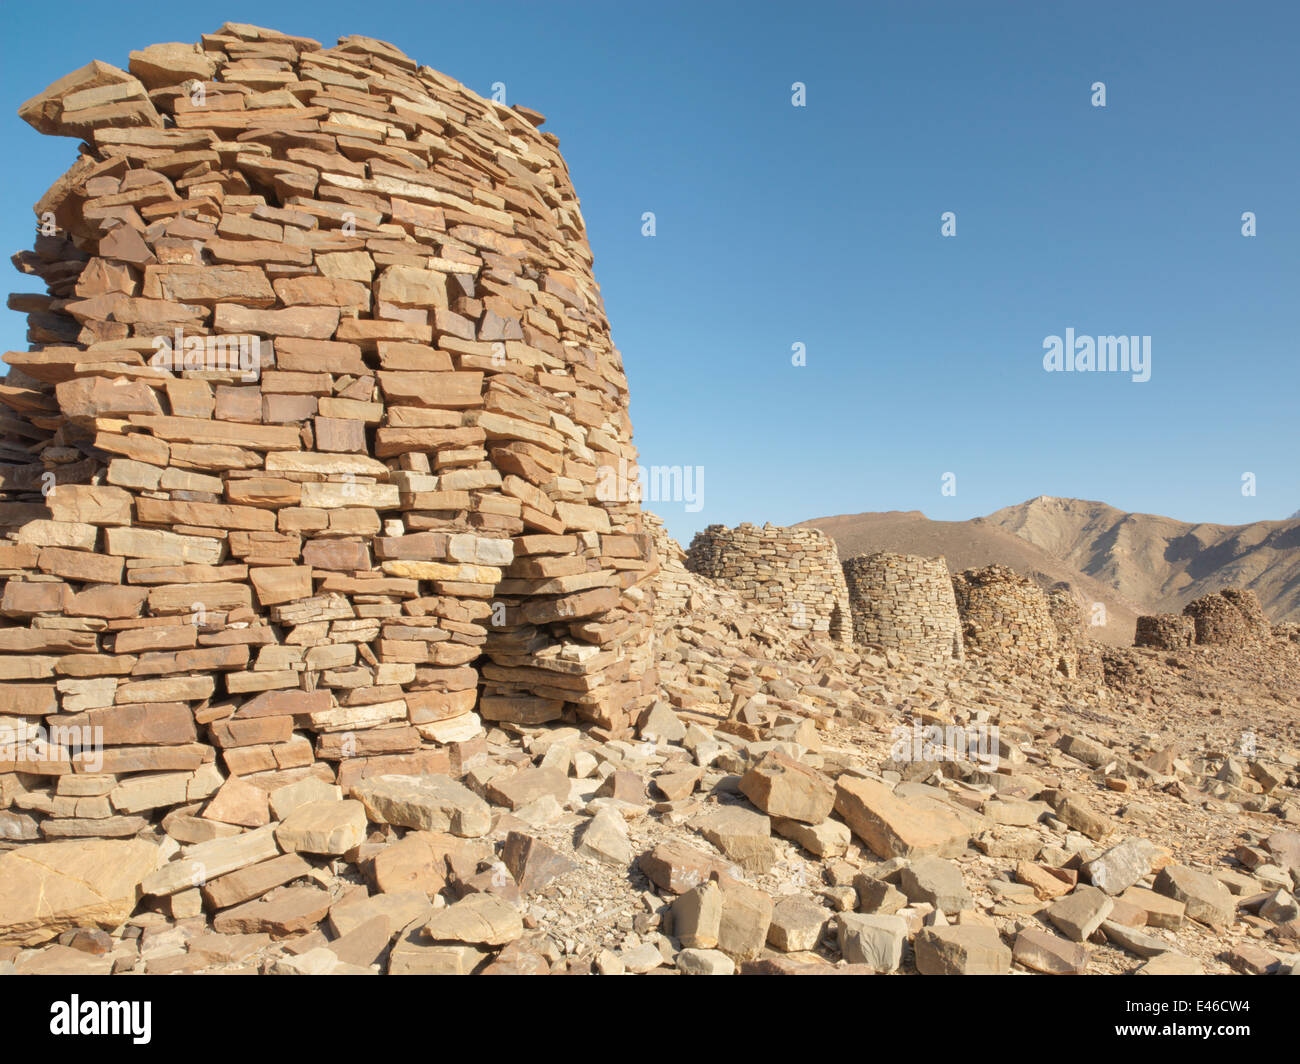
point(820, 225)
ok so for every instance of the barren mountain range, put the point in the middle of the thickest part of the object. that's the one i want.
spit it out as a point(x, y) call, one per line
point(1161, 562)
point(1131, 563)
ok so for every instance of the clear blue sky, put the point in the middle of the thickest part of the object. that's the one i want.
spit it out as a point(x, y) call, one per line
point(821, 225)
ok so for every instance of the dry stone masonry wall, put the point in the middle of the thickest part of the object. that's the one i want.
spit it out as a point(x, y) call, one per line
point(1076, 655)
point(299, 474)
point(1165, 631)
point(794, 570)
point(1005, 615)
point(286, 593)
point(1231, 617)
point(904, 602)
point(674, 585)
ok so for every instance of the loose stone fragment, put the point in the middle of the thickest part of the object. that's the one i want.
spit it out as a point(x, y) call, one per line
point(1080, 913)
point(426, 803)
point(1205, 898)
point(741, 834)
point(895, 828)
point(781, 786)
point(329, 827)
point(936, 881)
point(830, 838)
point(605, 838)
point(1043, 951)
point(873, 940)
point(1130, 938)
point(1121, 866)
point(705, 962)
point(746, 917)
point(970, 949)
point(47, 888)
point(677, 867)
point(476, 920)
point(797, 924)
point(532, 862)
point(697, 916)
point(284, 913)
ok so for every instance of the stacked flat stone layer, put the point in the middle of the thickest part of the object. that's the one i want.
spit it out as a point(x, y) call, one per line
point(673, 584)
point(299, 475)
point(1005, 615)
point(792, 570)
point(1165, 631)
point(1230, 617)
point(1076, 656)
point(904, 602)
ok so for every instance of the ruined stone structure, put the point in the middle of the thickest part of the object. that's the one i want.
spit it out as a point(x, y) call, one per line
point(1230, 617)
point(1217, 621)
point(794, 570)
point(1287, 631)
point(1005, 615)
point(1246, 602)
point(300, 469)
point(678, 592)
point(1076, 656)
point(672, 583)
point(1165, 631)
point(280, 597)
point(904, 602)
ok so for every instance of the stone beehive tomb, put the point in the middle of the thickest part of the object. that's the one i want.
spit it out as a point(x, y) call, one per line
point(299, 471)
point(1229, 617)
point(1165, 631)
point(793, 570)
point(1005, 615)
point(904, 602)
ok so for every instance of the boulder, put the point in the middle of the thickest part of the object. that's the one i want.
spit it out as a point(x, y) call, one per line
point(962, 949)
point(51, 887)
point(781, 786)
point(427, 803)
point(892, 827)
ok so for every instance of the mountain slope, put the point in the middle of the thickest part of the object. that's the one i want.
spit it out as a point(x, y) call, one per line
point(1161, 562)
point(968, 544)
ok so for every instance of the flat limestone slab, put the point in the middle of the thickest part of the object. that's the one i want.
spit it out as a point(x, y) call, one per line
point(892, 827)
point(426, 803)
point(48, 888)
point(218, 857)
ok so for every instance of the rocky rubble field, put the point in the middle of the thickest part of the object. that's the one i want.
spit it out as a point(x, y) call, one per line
point(766, 819)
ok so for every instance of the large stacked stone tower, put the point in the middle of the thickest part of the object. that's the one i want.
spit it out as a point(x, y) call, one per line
point(794, 570)
point(300, 469)
point(1006, 617)
point(1228, 617)
point(904, 602)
